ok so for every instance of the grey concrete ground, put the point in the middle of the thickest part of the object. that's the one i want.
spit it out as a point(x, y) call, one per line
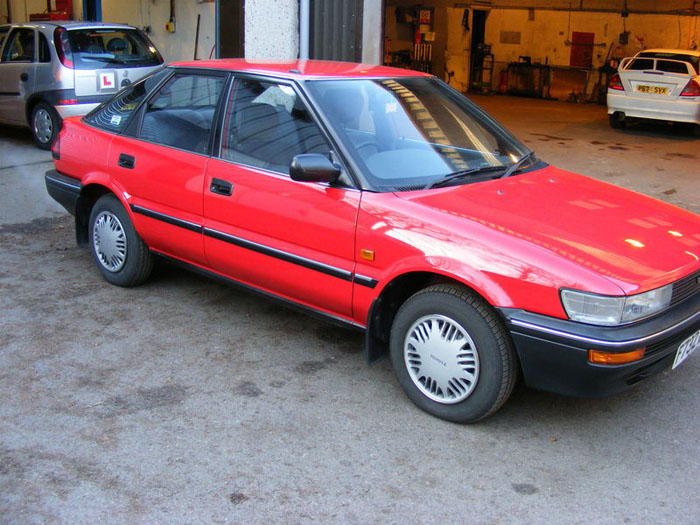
point(184, 401)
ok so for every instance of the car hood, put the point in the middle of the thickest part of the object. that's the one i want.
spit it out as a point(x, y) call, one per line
point(637, 242)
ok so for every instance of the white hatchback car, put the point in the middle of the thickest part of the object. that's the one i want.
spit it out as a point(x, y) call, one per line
point(659, 84)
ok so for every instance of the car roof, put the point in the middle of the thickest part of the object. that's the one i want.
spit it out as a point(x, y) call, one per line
point(70, 24)
point(671, 51)
point(302, 69)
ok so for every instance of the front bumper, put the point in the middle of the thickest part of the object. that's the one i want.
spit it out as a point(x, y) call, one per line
point(554, 352)
point(685, 109)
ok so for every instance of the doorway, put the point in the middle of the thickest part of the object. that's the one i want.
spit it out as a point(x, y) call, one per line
point(92, 10)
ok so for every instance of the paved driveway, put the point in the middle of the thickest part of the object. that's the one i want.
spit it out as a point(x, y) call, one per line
point(185, 401)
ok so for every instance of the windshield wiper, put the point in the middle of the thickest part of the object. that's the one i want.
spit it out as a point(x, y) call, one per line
point(462, 173)
point(515, 167)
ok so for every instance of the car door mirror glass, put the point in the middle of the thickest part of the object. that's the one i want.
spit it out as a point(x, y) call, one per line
point(313, 167)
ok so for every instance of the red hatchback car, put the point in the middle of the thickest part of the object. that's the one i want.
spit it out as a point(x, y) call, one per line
point(385, 200)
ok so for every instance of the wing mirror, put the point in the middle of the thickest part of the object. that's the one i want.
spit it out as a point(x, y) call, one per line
point(313, 167)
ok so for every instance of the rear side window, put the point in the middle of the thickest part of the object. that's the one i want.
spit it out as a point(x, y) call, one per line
point(100, 48)
point(20, 46)
point(115, 114)
point(182, 114)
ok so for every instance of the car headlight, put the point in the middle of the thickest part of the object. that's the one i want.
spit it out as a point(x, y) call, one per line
point(608, 310)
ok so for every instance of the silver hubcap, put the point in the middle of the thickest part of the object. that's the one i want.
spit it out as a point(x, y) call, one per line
point(109, 241)
point(441, 359)
point(43, 125)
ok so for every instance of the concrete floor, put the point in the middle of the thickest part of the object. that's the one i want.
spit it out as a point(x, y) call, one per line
point(184, 401)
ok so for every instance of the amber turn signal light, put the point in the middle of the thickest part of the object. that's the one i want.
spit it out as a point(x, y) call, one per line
point(614, 358)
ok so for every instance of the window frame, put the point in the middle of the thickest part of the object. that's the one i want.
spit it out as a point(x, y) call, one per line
point(134, 126)
point(348, 178)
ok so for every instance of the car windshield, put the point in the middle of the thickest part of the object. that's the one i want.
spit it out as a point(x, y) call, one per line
point(102, 48)
point(411, 133)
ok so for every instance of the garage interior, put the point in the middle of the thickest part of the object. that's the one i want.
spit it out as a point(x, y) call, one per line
point(552, 49)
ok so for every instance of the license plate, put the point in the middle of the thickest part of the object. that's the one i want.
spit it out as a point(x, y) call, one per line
point(654, 90)
point(686, 348)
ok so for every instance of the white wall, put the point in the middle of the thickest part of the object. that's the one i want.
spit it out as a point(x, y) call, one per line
point(271, 29)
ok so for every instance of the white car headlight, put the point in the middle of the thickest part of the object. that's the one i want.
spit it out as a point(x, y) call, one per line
point(608, 310)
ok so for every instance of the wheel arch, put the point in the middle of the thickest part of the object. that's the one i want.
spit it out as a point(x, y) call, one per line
point(31, 103)
point(89, 195)
point(393, 295)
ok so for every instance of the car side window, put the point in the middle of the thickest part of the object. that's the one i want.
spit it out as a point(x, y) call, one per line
point(115, 114)
point(44, 53)
point(267, 124)
point(20, 46)
point(182, 112)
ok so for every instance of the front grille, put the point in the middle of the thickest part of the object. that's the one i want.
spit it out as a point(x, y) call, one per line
point(669, 342)
point(685, 288)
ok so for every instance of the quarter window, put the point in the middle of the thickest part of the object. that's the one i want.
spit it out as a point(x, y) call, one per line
point(267, 124)
point(182, 113)
point(44, 53)
point(114, 115)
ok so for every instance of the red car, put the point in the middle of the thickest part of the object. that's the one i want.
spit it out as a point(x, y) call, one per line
point(383, 199)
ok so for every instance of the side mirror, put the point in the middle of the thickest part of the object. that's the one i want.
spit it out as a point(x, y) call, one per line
point(313, 167)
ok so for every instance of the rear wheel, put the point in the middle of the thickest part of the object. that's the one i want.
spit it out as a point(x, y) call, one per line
point(45, 124)
point(452, 355)
point(121, 255)
point(617, 120)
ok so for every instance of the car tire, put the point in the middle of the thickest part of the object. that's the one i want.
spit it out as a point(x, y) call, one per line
point(45, 124)
point(616, 121)
point(120, 254)
point(452, 355)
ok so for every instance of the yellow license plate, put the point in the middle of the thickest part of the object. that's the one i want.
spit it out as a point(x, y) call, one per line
point(654, 90)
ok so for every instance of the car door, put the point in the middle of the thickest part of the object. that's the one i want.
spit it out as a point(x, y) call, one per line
point(292, 239)
point(17, 66)
point(160, 165)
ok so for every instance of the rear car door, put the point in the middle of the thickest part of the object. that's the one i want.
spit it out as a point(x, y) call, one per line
point(17, 69)
point(292, 239)
point(161, 161)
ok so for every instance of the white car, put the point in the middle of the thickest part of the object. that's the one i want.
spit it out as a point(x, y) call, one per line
point(659, 84)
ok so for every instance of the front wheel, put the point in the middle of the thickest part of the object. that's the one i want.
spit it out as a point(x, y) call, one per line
point(452, 355)
point(121, 255)
point(45, 124)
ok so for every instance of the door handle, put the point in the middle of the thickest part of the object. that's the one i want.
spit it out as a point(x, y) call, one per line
point(126, 161)
point(24, 77)
point(221, 187)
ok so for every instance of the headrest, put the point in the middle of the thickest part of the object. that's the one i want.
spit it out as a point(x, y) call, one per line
point(345, 105)
point(257, 121)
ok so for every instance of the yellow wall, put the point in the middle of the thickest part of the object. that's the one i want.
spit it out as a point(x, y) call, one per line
point(140, 13)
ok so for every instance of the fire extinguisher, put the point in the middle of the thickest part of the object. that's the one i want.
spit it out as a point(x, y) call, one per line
point(503, 82)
